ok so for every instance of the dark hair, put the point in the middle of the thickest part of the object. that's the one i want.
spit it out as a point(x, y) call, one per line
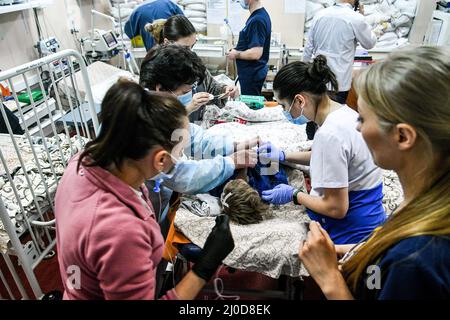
point(177, 27)
point(171, 66)
point(173, 29)
point(310, 77)
point(133, 122)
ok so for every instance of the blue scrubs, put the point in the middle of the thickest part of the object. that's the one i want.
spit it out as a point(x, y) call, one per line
point(147, 13)
point(416, 268)
point(365, 213)
point(256, 33)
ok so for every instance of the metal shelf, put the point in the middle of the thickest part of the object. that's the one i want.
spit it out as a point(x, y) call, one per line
point(25, 6)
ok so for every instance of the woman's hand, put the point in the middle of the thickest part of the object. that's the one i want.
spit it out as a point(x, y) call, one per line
point(231, 91)
point(318, 255)
point(281, 194)
point(342, 249)
point(246, 158)
point(247, 144)
point(217, 247)
point(268, 152)
point(198, 100)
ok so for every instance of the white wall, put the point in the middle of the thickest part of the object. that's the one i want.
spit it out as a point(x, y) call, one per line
point(18, 32)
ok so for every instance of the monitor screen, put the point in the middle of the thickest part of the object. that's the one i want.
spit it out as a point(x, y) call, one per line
point(110, 39)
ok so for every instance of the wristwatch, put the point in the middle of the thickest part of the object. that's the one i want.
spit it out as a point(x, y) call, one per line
point(295, 198)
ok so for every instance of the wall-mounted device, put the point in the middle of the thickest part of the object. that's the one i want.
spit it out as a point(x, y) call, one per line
point(47, 46)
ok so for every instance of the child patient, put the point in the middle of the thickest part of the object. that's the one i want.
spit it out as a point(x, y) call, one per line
point(242, 203)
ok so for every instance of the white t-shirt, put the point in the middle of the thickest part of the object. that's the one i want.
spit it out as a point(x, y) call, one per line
point(340, 158)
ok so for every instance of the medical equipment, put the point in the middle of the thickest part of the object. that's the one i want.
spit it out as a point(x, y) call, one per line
point(253, 102)
point(157, 187)
point(47, 46)
point(220, 96)
point(100, 45)
point(439, 29)
point(31, 166)
point(103, 45)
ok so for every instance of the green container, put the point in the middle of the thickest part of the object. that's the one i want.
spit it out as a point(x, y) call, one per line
point(253, 102)
point(25, 98)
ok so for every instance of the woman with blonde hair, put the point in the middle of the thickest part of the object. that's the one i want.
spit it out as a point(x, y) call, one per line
point(405, 121)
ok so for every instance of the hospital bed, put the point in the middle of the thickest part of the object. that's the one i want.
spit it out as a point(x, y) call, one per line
point(32, 164)
point(270, 247)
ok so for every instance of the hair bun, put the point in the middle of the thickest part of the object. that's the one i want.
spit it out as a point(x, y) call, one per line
point(155, 26)
point(319, 70)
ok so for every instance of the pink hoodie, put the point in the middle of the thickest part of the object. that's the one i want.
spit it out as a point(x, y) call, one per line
point(107, 233)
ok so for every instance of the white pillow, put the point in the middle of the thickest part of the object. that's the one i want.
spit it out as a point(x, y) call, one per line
point(188, 2)
point(194, 14)
point(200, 27)
point(198, 20)
point(199, 7)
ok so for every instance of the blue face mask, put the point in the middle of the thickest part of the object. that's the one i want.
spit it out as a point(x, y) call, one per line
point(164, 176)
point(186, 98)
point(244, 5)
point(299, 120)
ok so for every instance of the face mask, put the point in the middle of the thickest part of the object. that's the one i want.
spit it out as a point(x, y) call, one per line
point(299, 120)
point(186, 98)
point(163, 176)
point(244, 5)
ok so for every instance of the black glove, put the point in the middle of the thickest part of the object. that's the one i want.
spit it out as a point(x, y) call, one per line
point(217, 247)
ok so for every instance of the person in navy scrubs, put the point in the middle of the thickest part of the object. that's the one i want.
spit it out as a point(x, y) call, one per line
point(147, 13)
point(253, 48)
point(403, 105)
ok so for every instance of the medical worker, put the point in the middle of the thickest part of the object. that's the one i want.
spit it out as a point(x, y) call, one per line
point(346, 195)
point(253, 48)
point(175, 69)
point(404, 119)
point(107, 234)
point(147, 13)
point(180, 31)
point(334, 33)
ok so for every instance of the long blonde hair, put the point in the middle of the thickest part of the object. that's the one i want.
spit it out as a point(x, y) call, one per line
point(411, 86)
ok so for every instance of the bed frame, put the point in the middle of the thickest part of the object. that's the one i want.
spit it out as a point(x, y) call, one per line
point(29, 233)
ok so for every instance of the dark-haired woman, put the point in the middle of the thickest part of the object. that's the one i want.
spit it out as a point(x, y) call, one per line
point(346, 195)
point(109, 242)
point(174, 69)
point(180, 31)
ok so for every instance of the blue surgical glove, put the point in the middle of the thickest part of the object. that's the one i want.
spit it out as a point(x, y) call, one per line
point(268, 152)
point(281, 194)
